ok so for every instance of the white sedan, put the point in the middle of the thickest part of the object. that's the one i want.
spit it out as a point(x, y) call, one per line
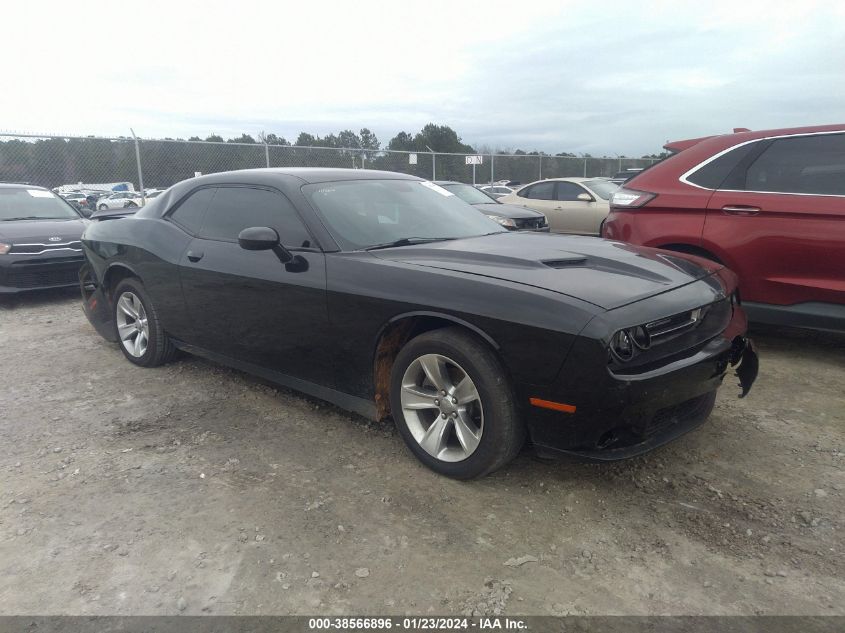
point(120, 200)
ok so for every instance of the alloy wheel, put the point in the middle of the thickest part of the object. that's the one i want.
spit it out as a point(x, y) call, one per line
point(442, 408)
point(132, 327)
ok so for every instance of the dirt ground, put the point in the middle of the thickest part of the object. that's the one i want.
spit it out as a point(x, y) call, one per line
point(195, 489)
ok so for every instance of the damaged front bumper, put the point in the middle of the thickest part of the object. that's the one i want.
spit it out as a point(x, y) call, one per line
point(619, 415)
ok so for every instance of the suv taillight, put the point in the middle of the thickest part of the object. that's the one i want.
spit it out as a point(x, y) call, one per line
point(630, 198)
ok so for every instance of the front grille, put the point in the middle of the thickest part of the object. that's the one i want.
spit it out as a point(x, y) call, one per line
point(37, 248)
point(43, 275)
point(529, 224)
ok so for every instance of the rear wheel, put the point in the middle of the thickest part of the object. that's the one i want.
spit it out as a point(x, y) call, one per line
point(142, 338)
point(453, 404)
point(103, 207)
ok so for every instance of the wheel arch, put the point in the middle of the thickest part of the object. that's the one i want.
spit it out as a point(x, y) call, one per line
point(114, 274)
point(691, 249)
point(392, 337)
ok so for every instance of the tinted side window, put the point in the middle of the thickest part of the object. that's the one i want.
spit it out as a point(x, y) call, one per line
point(540, 191)
point(714, 173)
point(234, 209)
point(568, 191)
point(190, 213)
point(802, 164)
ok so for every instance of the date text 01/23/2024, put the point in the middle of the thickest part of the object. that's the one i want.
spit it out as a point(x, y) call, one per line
point(416, 623)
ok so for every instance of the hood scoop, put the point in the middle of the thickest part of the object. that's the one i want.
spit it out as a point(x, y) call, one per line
point(565, 262)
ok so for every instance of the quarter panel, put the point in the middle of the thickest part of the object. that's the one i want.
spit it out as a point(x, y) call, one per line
point(151, 248)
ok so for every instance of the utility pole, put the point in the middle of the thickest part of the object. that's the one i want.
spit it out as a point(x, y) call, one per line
point(433, 164)
point(140, 173)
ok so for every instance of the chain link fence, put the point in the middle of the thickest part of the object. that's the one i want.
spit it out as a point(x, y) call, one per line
point(138, 164)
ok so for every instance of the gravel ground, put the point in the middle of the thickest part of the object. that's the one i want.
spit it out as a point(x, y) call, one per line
point(195, 489)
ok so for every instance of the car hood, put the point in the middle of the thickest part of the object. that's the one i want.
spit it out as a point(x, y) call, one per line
point(40, 231)
point(602, 272)
point(508, 210)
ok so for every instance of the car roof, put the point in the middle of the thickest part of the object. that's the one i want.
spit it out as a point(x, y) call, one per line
point(566, 179)
point(306, 174)
point(20, 185)
point(742, 134)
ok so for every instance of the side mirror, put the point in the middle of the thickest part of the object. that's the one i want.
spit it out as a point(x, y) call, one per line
point(585, 197)
point(263, 238)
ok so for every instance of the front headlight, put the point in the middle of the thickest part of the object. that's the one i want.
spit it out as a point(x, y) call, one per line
point(4, 248)
point(622, 346)
point(503, 221)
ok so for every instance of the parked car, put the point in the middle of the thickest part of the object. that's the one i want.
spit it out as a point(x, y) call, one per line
point(625, 175)
point(120, 200)
point(769, 204)
point(572, 205)
point(510, 216)
point(497, 191)
point(378, 292)
point(40, 243)
point(77, 197)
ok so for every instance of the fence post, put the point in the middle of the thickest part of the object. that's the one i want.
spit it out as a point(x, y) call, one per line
point(267, 153)
point(585, 166)
point(140, 172)
point(541, 167)
point(492, 159)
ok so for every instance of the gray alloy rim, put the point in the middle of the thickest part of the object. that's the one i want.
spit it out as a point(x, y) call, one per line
point(442, 408)
point(132, 326)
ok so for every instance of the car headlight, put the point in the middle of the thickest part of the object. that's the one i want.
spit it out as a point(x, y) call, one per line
point(503, 221)
point(625, 344)
point(622, 346)
point(4, 248)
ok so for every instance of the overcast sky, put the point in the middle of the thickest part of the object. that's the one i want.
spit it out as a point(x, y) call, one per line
point(600, 77)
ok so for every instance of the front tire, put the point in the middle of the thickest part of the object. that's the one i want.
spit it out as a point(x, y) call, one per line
point(141, 337)
point(453, 404)
point(103, 207)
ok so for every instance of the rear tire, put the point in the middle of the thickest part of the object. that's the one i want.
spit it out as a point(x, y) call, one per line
point(474, 428)
point(103, 207)
point(141, 337)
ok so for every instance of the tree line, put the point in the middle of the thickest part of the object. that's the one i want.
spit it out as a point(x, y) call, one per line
point(55, 161)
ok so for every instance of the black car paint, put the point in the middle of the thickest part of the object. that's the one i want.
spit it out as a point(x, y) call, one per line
point(548, 305)
point(55, 267)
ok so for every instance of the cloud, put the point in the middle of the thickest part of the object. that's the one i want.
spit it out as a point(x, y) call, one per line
point(553, 76)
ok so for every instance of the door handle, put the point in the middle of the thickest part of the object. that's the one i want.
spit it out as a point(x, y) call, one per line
point(194, 256)
point(740, 209)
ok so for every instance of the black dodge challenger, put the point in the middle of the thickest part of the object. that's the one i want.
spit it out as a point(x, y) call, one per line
point(389, 296)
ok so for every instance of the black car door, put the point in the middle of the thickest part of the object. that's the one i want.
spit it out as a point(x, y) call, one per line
point(248, 305)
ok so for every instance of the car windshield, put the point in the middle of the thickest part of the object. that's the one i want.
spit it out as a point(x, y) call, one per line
point(364, 213)
point(19, 203)
point(470, 194)
point(602, 188)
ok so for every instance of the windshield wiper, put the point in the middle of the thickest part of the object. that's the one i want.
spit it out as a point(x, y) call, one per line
point(408, 241)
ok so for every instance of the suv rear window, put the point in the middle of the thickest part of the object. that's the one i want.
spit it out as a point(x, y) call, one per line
point(800, 164)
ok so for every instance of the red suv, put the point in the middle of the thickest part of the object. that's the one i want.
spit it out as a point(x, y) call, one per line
point(770, 205)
